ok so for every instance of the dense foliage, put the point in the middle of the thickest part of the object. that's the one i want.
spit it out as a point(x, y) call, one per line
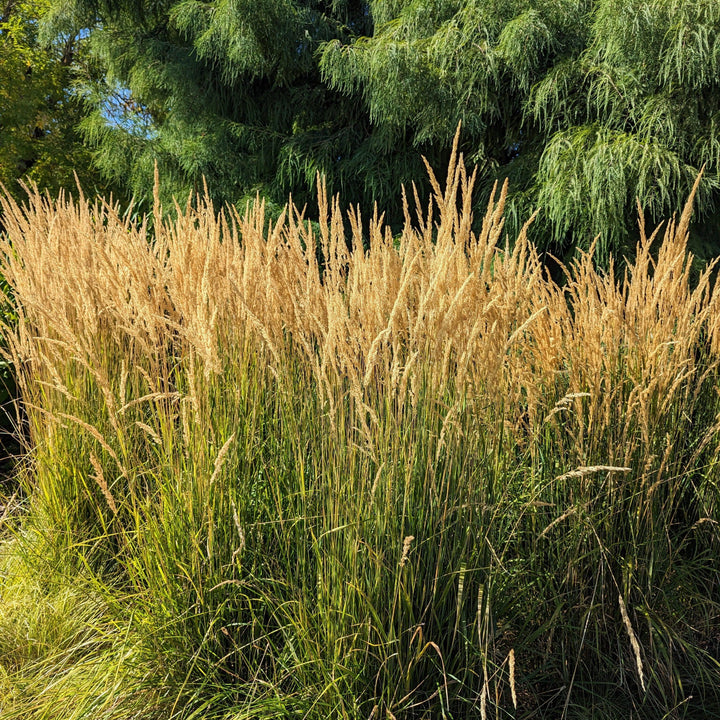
point(585, 105)
point(40, 108)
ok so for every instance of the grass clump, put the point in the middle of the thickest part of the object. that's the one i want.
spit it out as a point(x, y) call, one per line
point(273, 473)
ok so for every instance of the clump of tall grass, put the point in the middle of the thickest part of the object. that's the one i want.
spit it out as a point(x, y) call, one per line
point(335, 473)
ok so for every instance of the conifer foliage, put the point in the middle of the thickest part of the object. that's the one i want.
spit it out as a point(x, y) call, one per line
point(585, 105)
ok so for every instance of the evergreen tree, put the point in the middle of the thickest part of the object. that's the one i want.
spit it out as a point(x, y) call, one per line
point(583, 104)
point(229, 93)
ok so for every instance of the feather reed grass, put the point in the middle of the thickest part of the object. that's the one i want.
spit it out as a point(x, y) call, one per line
point(315, 470)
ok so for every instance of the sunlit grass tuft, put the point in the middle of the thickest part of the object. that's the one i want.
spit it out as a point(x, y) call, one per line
point(274, 474)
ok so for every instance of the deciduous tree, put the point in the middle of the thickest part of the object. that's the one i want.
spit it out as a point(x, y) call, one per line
point(39, 108)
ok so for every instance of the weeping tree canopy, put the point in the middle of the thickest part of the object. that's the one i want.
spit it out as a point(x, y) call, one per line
point(584, 104)
point(230, 94)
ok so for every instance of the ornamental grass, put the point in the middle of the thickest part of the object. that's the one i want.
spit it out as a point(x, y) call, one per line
point(293, 469)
